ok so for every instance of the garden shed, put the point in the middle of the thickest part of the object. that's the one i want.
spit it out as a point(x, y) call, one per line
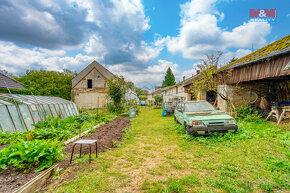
point(19, 112)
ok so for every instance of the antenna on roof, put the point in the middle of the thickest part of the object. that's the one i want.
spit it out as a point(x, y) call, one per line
point(252, 47)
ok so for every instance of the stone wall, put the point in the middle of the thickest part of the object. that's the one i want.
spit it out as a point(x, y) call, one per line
point(241, 94)
point(94, 97)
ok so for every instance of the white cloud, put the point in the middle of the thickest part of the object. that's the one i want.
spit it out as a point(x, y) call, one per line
point(150, 76)
point(118, 37)
point(200, 34)
point(17, 59)
point(228, 55)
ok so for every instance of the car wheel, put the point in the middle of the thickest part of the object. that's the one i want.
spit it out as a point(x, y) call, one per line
point(186, 128)
point(193, 133)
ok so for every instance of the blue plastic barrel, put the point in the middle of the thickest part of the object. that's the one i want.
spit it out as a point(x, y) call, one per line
point(164, 113)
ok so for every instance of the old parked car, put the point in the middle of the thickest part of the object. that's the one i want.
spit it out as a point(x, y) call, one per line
point(201, 118)
point(169, 106)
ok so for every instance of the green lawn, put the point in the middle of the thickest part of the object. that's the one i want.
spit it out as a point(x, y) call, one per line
point(157, 156)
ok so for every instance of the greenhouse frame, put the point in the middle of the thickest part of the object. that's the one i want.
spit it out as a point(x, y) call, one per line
point(18, 112)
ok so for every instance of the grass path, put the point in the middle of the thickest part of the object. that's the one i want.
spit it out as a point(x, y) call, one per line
point(157, 156)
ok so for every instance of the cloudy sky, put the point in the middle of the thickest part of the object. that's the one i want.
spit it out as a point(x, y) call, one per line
point(139, 39)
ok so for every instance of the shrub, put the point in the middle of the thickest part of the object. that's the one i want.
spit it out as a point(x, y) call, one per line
point(116, 91)
point(27, 154)
point(247, 113)
point(157, 99)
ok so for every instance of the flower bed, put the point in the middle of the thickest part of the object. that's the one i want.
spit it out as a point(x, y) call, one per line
point(41, 147)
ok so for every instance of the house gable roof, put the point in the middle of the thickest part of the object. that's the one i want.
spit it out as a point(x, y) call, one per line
point(276, 48)
point(105, 72)
point(6, 81)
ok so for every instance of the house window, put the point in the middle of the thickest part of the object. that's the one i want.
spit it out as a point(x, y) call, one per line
point(98, 76)
point(90, 83)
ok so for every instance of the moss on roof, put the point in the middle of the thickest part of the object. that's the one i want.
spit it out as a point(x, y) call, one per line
point(263, 52)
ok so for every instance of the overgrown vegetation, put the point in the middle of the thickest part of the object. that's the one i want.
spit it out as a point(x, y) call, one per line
point(247, 113)
point(157, 156)
point(116, 91)
point(157, 99)
point(41, 147)
point(56, 129)
point(39, 154)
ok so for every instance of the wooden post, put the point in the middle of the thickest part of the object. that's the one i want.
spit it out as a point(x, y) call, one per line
point(80, 129)
point(98, 109)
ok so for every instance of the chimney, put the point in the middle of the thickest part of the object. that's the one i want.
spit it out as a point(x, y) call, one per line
point(197, 72)
point(183, 78)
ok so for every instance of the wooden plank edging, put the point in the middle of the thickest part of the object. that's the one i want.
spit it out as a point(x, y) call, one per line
point(82, 134)
point(37, 182)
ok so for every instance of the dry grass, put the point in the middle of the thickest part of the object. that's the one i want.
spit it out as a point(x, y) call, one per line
point(157, 156)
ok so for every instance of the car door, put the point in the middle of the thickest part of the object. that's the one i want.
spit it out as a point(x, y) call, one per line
point(179, 116)
point(176, 112)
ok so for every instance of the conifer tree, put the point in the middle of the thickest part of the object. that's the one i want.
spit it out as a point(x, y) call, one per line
point(169, 78)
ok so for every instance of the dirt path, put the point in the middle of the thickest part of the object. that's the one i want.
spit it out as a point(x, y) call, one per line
point(11, 180)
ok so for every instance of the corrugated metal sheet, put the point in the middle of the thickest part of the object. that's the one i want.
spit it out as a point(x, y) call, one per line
point(6, 81)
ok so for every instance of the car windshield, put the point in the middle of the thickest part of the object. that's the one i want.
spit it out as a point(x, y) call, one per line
point(201, 106)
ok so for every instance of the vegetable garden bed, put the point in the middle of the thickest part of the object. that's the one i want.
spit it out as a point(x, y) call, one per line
point(24, 155)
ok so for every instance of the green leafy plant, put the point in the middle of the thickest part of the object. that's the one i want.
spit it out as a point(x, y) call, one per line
point(247, 113)
point(27, 154)
point(56, 128)
point(157, 99)
point(116, 91)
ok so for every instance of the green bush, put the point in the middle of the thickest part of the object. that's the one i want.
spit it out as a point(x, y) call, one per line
point(247, 113)
point(27, 154)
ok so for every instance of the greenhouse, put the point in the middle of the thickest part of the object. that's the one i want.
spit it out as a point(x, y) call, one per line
point(19, 112)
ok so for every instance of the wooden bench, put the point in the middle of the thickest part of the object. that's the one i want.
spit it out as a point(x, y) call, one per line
point(284, 113)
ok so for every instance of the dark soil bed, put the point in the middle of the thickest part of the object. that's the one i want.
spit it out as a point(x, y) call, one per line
point(11, 180)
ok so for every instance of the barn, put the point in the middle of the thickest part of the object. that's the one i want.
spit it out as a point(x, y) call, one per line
point(261, 79)
point(89, 87)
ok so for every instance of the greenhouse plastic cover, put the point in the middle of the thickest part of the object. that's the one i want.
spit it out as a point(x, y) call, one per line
point(20, 112)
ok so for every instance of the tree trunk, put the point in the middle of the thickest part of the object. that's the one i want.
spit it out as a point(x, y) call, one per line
point(229, 102)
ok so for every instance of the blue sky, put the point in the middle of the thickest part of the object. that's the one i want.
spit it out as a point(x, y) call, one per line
point(138, 39)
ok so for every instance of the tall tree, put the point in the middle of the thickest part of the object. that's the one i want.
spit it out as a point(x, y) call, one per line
point(169, 78)
point(48, 83)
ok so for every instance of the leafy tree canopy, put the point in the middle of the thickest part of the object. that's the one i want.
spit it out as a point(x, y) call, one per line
point(158, 99)
point(143, 97)
point(48, 83)
point(169, 79)
point(116, 90)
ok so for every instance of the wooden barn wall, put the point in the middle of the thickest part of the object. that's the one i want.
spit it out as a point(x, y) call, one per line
point(267, 69)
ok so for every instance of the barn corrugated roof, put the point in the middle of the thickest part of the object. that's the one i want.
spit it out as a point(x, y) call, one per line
point(6, 81)
point(276, 48)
